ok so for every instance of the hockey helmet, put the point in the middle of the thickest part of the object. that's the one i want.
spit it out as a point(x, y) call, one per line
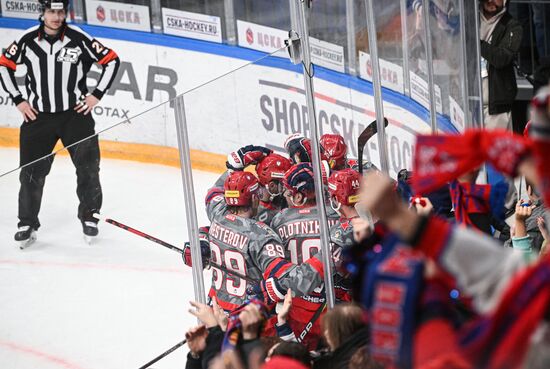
point(344, 185)
point(298, 148)
point(272, 167)
point(239, 188)
point(299, 178)
point(54, 4)
point(333, 150)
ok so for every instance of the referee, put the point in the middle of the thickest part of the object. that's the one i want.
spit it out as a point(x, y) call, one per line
point(58, 57)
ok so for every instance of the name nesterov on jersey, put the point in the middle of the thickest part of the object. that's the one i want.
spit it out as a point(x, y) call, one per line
point(227, 236)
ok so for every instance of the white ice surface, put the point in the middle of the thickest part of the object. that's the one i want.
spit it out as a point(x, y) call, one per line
point(115, 304)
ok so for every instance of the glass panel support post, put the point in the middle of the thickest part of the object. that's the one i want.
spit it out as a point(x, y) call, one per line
point(302, 12)
point(429, 64)
point(189, 197)
point(377, 87)
point(230, 22)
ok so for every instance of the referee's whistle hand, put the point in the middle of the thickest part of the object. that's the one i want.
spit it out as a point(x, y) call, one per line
point(87, 104)
point(29, 113)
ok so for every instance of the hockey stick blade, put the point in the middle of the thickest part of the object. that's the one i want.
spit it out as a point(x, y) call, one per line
point(363, 138)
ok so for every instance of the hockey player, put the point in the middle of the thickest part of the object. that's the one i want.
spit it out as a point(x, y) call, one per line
point(298, 148)
point(270, 168)
point(250, 248)
point(334, 151)
point(298, 227)
point(271, 171)
point(343, 187)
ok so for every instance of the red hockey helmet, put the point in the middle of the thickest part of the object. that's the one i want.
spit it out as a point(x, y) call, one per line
point(344, 186)
point(298, 148)
point(239, 188)
point(333, 150)
point(272, 167)
point(299, 178)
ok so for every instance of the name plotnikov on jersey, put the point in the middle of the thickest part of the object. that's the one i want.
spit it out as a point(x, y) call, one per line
point(228, 237)
point(299, 227)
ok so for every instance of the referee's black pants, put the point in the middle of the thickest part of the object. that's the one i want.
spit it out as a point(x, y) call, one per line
point(37, 139)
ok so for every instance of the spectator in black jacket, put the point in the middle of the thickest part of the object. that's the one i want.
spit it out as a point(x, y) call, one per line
point(205, 340)
point(346, 334)
point(500, 41)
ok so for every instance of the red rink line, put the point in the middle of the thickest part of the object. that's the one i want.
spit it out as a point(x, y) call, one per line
point(90, 266)
point(58, 361)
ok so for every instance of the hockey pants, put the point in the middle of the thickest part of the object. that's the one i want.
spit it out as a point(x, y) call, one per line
point(37, 139)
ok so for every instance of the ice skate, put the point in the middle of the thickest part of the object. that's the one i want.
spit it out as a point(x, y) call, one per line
point(25, 236)
point(90, 231)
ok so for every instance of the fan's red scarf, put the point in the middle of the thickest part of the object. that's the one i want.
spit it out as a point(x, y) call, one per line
point(501, 340)
point(440, 159)
point(469, 198)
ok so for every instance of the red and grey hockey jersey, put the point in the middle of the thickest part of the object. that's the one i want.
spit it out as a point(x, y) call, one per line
point(252, 249)
point(300, 233)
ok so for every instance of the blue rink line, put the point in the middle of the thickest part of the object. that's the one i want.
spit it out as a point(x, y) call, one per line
point(341, 79)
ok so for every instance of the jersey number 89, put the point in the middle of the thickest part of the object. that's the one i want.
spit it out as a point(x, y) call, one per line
point(233, 261)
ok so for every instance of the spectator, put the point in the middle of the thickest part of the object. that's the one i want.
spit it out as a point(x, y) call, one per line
point(541, 23)
point(205, 340)
point(500, 41)
point(541, 223)
point(518, 234)
point(293, 350)
point(530, 222)
point(345, 332)
point(362, 360)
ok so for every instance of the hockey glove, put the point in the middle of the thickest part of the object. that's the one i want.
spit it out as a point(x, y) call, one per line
point(268, 291)
point(245, 156)
point(205, 249)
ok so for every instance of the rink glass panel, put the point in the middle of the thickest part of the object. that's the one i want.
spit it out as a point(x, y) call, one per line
point(141, 138)
point(255, 105)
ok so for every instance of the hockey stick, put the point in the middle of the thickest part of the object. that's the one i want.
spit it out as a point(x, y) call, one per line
point(312, 321)
point(366, 135)
point(167, 245)
point(316, 316)
point(164, 354)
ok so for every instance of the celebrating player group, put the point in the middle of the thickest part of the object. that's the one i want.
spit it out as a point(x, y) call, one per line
point(265, 227)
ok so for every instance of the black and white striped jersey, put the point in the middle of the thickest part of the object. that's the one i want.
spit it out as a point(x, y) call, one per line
point(56, 67)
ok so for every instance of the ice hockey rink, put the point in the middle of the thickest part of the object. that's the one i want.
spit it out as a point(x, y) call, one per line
point(117, 303)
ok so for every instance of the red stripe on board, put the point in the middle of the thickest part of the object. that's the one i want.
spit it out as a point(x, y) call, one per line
point(59, 361)
point(325, 97)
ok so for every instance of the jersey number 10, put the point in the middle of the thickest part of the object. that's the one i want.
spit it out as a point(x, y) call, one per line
point(303, 250)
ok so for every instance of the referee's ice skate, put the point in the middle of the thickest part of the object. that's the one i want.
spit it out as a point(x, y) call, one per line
point(90, 231)
point(25, 236)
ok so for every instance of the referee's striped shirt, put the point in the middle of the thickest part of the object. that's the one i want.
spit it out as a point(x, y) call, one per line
point(56, 67)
